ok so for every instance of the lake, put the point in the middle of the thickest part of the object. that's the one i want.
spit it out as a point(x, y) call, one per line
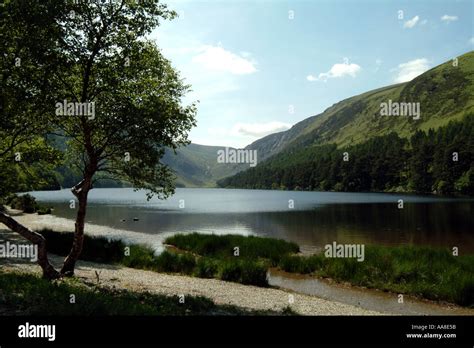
point(311, 219)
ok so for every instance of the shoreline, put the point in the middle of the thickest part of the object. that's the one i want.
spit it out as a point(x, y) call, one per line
point(59, 224)
point(35, 221)
point(369, 298)
point(220, 292)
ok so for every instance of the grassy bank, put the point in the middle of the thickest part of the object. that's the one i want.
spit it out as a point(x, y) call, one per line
point(426, 272)
point(430, 273)
point(222, 247)
point(205, 256)
point(30, 295)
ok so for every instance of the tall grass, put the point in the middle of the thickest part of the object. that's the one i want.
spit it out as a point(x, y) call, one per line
point(97, 249)
point(217, 258)
point(245, 270)
point(222, 246)
point(430, 273)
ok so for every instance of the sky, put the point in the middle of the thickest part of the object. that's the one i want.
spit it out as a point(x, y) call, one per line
point(258, 67)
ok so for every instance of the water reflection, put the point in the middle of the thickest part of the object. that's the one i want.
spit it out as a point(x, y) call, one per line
point(443, 224)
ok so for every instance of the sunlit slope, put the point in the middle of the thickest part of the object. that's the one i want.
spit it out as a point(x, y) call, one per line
point(445, 93)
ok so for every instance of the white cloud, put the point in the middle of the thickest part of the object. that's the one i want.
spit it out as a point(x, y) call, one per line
point(259, 129)
point(471, 40)
point(449, 19)
point(217, 58)
point(411, 22)
point(409, 70)
point(378, 63)
point(337, 70)
point(209, 83)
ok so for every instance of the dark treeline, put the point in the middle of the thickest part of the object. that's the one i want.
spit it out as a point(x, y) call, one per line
point(440, 161)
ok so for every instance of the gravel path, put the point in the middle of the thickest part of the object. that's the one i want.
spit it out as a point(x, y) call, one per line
point(221, 292)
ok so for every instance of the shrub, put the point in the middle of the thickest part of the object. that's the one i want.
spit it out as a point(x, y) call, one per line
point(300, 264)
point(26, 203)
point(44, 211)
point(176, 263)
point(206, 268)
point(245, 272)
point(140, 257)
point(97, 249)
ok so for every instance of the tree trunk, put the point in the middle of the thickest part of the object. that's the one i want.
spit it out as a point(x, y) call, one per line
point(48, 270)
point(81, 191)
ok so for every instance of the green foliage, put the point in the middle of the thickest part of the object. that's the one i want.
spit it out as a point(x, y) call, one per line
point(222, 246)
point(112, 63)
point(300, 264)
point(244, 271)
point(44, 211)
point(465, 184)
point(33, 171)
point(140, 257)
point(423, 271)
point(136, 91)
point(26, 203)
point(174, 263)
point(207, 268)
point(97, 249)
point(217, 258)
point(26, 160)
point(431, 273)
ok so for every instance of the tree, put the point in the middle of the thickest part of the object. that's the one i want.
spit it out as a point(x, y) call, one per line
point(133, 96)
point(122, 99)
point(24, 86)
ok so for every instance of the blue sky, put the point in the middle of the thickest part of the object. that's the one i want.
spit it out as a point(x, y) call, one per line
point(258, 67)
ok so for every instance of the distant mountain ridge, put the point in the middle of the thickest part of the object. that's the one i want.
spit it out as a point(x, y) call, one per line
point(430, 148)
point(196, 165)
point(445, 93)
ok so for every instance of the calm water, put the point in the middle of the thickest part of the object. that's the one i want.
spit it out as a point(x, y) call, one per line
point(317, 218)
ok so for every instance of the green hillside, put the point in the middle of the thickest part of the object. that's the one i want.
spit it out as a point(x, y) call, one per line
point(387, 153)
point(445, 93)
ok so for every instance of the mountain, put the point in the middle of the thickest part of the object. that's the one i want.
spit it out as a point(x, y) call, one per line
point(445, 93)
point(432, 151)
point(196, 166)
